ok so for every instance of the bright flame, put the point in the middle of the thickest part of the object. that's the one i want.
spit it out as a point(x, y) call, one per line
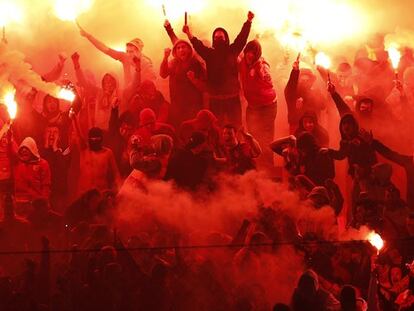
point(395, 56)
point(175, 9)
point(69, 10)
point(11, 104)
point(376, 240)
point(66, 94)
point(323, 60)
point(319, 21)
point(9, 12)
point(118, 47)
point(294, 41)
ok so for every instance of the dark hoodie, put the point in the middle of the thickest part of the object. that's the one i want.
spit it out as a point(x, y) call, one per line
point(319, 133)
point(221, 62)
point(315, 165)
point(186, 97)
point(312, 99)
point(256, 79)
point(357, 150)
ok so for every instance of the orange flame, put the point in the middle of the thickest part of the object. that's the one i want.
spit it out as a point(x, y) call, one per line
point(9, 12)
point(323, 60)
point(375, 240)
point(395, 56)
point(11, 104)
point(69, 10)
point(66, 94)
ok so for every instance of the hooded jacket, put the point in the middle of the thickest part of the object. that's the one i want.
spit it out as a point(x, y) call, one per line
point(358, 151)
point(312, 99)
point(256, 79)
point(315, 165)
point(321, 135)
point(186, 97)
point(221, 62)
point(33, 178)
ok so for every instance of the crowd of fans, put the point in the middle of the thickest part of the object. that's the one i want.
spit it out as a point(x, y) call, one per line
point(66, 170)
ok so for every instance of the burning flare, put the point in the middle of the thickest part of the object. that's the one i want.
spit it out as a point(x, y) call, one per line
point(323, 60)
point(376, 240)
point(395, 56)
point(69, 10)
point(66, 94)
point(9, 12)
point(11, 104)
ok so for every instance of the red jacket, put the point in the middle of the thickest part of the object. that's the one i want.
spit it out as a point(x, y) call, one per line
point(257, 84)
point(32, 179)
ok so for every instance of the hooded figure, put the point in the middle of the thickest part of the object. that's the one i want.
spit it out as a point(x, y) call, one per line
point(186, 80)
point(222, 74)
point(149, 97)
point(31, 174)
point(255, 77)
point(361, 155)
point(315, 165)
point(309, 124)
point(261, 98)
point(205, 122)
point(301, 96)
point(308, 296)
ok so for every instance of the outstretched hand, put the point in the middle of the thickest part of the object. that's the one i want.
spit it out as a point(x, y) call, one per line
point(75, 57)
point(82, 31)
point(331, 88)
point(250, 16)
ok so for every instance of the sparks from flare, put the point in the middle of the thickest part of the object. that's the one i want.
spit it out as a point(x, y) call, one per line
point(376, 241)
point(11, 104)
point(394, 55)
point(323, 60)
point(69, 10)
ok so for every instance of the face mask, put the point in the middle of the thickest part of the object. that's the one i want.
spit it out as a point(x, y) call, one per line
point(95, 144)
point(219, 43)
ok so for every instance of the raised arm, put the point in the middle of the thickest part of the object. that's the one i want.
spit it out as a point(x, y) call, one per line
point(101, 46)
point(291, 91)
point(198, 46)
point(165, 66)
point(79, 72)
point(170, 32)
point(56, 72)
point(339, 102)
point(280, 144)
point(242, 37)
point(253, 143)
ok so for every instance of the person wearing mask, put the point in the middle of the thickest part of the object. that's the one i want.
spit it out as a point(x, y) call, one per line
point(98, 169)
point(222, 74)
point(133, 50)
point(261, 97)
point(186, 81)
point(32, 176)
